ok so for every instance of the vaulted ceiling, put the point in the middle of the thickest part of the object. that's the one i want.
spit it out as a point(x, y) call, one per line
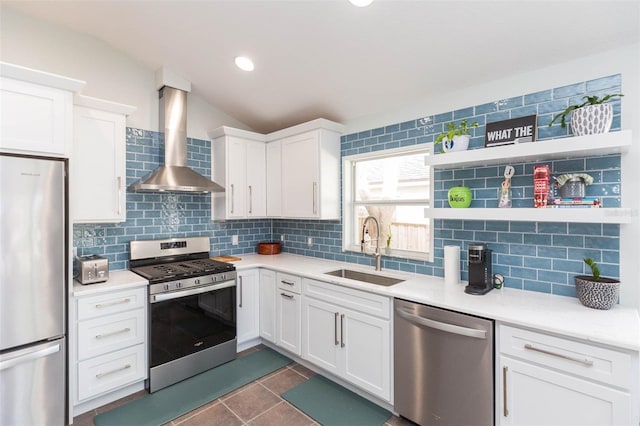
point(331, 59)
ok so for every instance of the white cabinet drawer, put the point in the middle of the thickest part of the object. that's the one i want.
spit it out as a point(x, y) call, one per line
point(108, 372)
point(111, 303)
point(588, 361)
point(361, 301)
point(109, 333)
point(289, 282)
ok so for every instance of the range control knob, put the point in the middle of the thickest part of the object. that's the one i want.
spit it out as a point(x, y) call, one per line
point(197, 281)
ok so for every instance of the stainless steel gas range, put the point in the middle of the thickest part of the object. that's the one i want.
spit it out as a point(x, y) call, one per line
point(192, 307)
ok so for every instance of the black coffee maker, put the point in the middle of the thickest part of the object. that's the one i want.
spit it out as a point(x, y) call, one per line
point(480, 274)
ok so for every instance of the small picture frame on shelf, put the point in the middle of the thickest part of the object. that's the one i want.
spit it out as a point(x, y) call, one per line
point(512, 131)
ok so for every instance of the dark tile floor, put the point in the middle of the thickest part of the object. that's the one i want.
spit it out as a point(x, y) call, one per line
point(257, 403)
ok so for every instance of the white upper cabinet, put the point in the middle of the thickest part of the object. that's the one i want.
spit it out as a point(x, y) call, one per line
point(98, 161)
point(311, 171)
point(293, 173)
point(238, 163)
point(36, 110)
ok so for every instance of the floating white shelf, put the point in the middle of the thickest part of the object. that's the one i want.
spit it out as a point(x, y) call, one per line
point(572, 215)
point(577, 146)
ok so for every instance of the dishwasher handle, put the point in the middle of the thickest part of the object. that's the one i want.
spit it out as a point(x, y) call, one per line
point(442, 326)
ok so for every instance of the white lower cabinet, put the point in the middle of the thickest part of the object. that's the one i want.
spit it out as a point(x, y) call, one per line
point(348, 333)
point(268, 305)
point(110, 353)
point(288, 305)
point(548, 380)
point(247, 306)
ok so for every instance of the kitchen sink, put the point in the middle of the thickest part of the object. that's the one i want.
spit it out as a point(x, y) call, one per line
point(364, 277)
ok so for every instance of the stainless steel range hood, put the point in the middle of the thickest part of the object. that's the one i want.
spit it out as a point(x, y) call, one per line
point(174, 175)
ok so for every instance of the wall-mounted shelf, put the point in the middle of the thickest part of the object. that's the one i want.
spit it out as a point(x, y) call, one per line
point(576, 146)
point(574, 215)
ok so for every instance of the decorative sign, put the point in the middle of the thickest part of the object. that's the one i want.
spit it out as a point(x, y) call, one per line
point(512, 131)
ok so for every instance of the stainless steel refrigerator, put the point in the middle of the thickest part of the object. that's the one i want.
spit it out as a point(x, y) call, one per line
point(33, 291)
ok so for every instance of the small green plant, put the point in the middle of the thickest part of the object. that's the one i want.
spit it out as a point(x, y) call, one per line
point(462, 129)
point(595, 271)
point(590, 100)
point(389, 237)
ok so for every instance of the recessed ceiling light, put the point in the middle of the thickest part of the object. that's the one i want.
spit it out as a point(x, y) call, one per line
point(361, 3)
point(244, 63)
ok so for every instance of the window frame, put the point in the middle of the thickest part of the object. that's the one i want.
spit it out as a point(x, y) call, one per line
point(349, 202)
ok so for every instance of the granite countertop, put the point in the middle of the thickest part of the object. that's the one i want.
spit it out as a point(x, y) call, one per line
point(619, 327)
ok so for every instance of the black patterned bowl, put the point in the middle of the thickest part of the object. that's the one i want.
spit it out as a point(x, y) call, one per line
point(601, 294)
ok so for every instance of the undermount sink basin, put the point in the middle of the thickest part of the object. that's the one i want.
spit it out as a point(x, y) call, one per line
point(364, 277)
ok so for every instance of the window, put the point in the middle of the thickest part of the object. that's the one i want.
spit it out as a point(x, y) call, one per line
point(394, 186)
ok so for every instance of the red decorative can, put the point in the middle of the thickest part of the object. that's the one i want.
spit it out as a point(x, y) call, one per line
point(541, 174)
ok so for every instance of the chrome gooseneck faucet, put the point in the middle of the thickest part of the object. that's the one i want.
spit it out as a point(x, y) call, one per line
point(376, 255)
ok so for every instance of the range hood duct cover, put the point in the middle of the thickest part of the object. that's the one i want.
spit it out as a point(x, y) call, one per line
point(174, 175)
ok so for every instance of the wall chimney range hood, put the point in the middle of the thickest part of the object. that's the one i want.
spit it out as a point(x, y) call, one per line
point(174, 175)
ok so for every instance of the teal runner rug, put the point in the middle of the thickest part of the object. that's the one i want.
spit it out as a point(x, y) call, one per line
point(332, 405)
point(169, 403)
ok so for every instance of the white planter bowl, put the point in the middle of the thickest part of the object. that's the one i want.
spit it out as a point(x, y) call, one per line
point(459, 143)
point(592, 119)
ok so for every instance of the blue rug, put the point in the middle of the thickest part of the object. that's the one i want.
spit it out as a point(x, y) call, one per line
point(332, 405)
point(169, 403)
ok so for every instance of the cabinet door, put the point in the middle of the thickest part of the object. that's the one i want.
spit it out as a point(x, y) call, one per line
point(256, 173)
point(274, 179)
point(366, 343)
point(35, 118)
point(97, 165)
point(268, 305)
point(300, 176)
point(248, 306)
point(321, 334)
point(533, 395)
point(236, 182)
point(288, 321)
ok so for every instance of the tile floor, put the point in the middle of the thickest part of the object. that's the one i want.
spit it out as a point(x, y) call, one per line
point(257, 403)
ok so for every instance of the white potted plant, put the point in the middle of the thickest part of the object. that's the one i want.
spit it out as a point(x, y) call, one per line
point(590, 117)
point(456, 138)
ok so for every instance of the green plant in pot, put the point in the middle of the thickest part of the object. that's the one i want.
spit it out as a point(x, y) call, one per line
point(456, 138)
point(590, 117)
point(595, 291)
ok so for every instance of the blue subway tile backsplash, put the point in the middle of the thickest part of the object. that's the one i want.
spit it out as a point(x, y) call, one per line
point(541, 257)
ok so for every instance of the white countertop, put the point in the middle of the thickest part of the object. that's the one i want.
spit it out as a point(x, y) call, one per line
point(118, 280)
point(619, 327)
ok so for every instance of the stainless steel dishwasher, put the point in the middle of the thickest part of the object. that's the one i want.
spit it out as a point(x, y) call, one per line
point(443, 366)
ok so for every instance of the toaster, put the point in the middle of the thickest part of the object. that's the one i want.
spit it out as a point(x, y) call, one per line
point(91, 269)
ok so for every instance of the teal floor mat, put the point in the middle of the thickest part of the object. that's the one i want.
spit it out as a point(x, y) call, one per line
point(332, 405)
point(169, 403)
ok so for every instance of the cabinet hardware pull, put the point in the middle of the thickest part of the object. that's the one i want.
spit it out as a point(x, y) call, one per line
point(342, 342)
point(315, 197)
point(335, 328)
point(117, 302)
point(240, 279)
point(586, 362)
point(232, 198)
point(250, 200)
point(113, 333)
point(119, 195)
point(115, 370)
point(288, 296)
point(505, 411)
point(287, 282)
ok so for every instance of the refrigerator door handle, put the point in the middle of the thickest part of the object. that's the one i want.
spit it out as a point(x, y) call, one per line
point(40, 353)
point(449, 328)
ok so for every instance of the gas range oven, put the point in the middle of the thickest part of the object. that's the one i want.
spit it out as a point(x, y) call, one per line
point(192, 307)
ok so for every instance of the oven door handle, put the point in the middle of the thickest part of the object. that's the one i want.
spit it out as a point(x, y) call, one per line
point(154, 298)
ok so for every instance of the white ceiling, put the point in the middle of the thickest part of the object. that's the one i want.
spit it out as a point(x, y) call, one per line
point(330, 59)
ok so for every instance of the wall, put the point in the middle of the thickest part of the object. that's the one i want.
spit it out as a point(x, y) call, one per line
point(109, 73)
